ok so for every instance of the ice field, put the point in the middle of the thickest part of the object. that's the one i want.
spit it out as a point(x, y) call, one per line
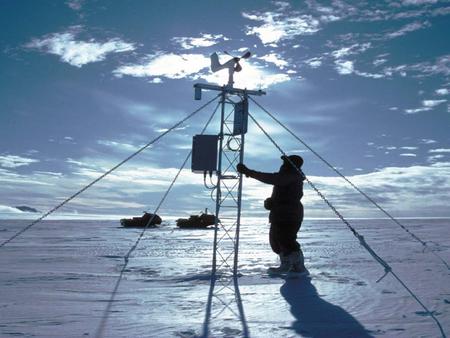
point(56, 281)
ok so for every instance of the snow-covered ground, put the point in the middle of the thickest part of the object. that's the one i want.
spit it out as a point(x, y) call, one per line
point(56, 280)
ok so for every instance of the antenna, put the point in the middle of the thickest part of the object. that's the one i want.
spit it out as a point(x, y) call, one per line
point(232, 65)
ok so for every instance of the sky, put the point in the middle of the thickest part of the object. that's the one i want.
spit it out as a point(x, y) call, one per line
point(86, 83)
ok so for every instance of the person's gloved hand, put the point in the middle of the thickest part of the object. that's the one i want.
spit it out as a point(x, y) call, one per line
point(242, 168)
point(268, 203)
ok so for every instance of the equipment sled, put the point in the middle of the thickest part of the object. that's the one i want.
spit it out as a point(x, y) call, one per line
point(201, 221)
point(141, 222)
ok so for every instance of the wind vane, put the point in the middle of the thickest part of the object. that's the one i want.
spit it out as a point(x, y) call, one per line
point(232, 65)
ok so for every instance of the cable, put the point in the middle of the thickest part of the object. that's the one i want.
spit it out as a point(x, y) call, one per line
point(106, 173)
point(353, 185)
point(101, 328)
point(361, 239)
point(206, 183)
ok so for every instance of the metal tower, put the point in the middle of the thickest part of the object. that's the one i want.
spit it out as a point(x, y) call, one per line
point(224, 299)
point(233, 126)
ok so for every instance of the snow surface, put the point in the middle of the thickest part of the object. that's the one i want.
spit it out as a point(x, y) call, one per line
point(56, 280)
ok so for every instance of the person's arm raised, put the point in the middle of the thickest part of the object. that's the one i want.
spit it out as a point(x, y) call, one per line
point(268, 178)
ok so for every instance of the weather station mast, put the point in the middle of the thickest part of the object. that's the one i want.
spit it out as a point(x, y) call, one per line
point(220, 154)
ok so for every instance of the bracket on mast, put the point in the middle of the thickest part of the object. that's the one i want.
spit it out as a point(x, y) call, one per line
point(226, 89)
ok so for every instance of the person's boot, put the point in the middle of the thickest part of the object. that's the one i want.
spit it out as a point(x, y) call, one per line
point(297, 263)
point(285, 265)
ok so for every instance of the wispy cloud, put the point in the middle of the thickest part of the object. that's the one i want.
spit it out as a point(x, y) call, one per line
point(442, 91)
point(344, 67)
point(379, 62)
point(76, 5)
point(276, 26)
point(427, 105)
point(119, 145)
point(435, 158)
point(427, 141)
point(351, 50)
point(10, 179)
point(441, 66)
point(418, 2)
point(432, 103)
point(204, 40)
point(439, 150)
point(411, 27)
point(314, 62)
point(77, 52)
point(172, 66)
point(276, 59)
point(417, 110)
point(132, 188)
point(15, 161)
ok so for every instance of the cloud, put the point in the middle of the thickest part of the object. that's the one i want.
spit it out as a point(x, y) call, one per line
point(432, 103)
point(14, 161)
point(196, 66)
point(172, 66)
point(411, 27)
point(315, 62)
point(442, 91)
point(435, 158)
point(276, 59)
point(76, 5)
point(78, 163)
point(276, 27)
point(418, 2)
point(344, 67)
point(427, 105)
point(408, 155)
point(379, 61)
point(136, 187)
point(369, 75)
point(441, 66)
point(205, 40)
point(439, 150)
point(417, 110)
point(143, 179)
point(126, 190)
point(370, 11)
point(11, 179)
point(351, 50)
point(119, 145)
point(408, 191)
point(76, 52)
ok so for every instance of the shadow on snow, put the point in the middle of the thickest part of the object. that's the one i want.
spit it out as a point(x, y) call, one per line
point(316, 317)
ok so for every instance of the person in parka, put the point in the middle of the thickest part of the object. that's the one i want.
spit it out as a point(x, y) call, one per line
point(286, 211)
